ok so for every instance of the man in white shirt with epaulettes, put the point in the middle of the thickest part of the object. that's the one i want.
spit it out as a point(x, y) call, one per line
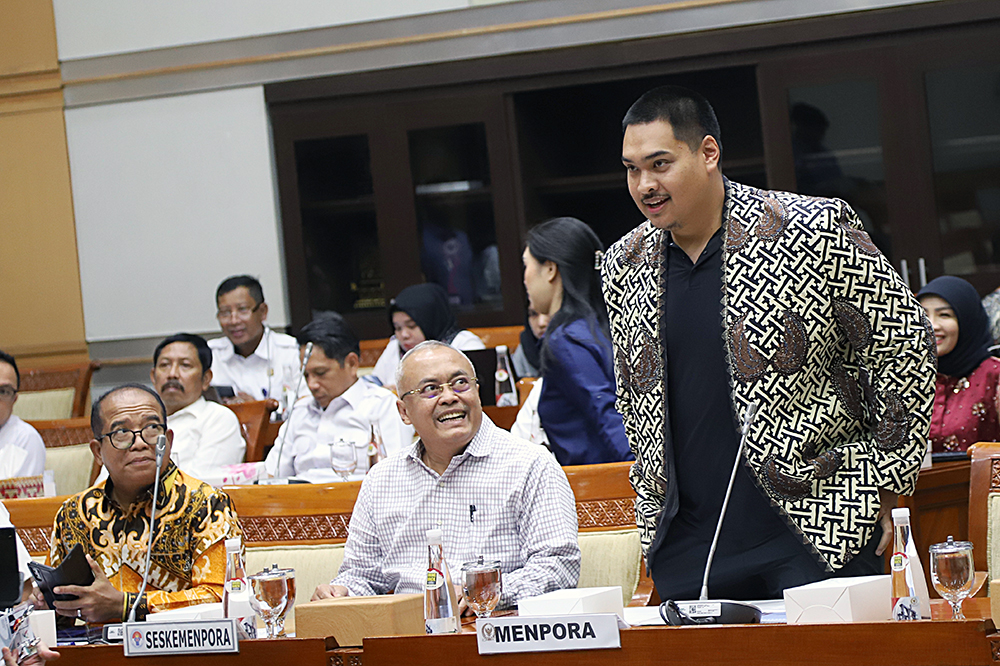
point(256, 361)
point(341, 408)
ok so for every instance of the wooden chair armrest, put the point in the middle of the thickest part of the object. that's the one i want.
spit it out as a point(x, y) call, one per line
point(645, 592)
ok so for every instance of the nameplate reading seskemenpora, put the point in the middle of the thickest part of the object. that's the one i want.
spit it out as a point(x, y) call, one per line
point(186, 637)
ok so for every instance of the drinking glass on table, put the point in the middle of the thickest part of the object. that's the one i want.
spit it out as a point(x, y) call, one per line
point(343, 458)
point(481, 586)
point(289, 576)
point(269, 596)
point(952, 572)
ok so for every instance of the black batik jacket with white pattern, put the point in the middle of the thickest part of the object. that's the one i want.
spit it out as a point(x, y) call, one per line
point(820, 332)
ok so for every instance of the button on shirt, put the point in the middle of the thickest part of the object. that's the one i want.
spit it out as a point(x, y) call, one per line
point(22, 451)
point(502, 498)
point(348, 417)
point(206, 437)
point(270, 371)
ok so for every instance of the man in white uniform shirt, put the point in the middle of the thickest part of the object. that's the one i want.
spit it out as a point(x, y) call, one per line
point(207, 435)
point(22, 452)
point(490, 493)
point(342, 408)
point(255, 361)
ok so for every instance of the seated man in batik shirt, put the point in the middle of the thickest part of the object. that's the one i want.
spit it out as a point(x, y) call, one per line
point(111, 519)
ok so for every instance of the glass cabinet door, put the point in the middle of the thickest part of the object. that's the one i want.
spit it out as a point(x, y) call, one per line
point(963, 106)
point(837, 148)
point(453, 201)
point(339, 231)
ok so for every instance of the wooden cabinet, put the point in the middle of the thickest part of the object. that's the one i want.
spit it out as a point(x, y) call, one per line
point(896, 111)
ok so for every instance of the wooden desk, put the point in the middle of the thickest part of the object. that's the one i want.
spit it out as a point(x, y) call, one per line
point(298, 651)
point(876, 644)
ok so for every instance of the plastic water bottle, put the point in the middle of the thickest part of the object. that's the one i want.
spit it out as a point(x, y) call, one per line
point(236, 591)
point(440, 604)
point(909, 587)
point(505, 391)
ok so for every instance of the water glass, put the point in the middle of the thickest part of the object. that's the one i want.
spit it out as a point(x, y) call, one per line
point(481, 586)
point(952, 572)
point(269, 596)
point(343, 458)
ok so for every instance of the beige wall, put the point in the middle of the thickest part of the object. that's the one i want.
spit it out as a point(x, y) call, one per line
point(41, 312)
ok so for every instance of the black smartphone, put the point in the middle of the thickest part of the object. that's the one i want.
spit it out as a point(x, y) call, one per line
point(10, 581)
point(74, 570)
point(225, 392)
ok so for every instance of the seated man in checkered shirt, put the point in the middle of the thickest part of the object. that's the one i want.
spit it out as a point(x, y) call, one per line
point(491, 494)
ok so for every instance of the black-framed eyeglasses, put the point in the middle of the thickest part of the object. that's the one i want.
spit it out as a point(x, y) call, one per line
point(7, 392)
point(431, 391)
point(241, 312)
point(123, 438)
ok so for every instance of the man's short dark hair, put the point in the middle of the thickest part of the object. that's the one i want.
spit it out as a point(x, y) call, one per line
point(689, 114)
point(9, 360)
point(204, 351)
point(97, 419)
point(331, 333)
point(235, 282)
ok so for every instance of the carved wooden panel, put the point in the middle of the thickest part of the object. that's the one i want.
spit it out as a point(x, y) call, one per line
point(995, 646)
point(295, 529)
point(995, 475)
point(56, 437)
point(346, 657)
point(43, 379)
point(606, 514)
point(35, 539)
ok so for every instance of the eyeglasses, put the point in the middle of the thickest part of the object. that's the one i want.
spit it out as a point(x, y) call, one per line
point(431, 391)
point(241, 312)
point(7, 392)
point(124, 438)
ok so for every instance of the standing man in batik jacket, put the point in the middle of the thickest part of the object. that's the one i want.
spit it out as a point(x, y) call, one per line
point(727, 297)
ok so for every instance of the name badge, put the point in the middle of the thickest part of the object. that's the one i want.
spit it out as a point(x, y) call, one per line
point(187, 637)
point(547, 633)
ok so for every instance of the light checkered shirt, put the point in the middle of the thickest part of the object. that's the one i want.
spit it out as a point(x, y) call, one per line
point(525, 517)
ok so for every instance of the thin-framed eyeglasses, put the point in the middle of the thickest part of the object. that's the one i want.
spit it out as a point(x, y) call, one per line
point(123, 438)
point(7, 392)
point(241, 312)
point(431, 391)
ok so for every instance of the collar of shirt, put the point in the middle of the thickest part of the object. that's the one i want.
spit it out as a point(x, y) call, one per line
point(167, 480)
point(353, 396)
point(195, 410)
point(480, 446)
point(263, 351)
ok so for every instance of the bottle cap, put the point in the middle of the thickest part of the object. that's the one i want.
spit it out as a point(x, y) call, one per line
point(236, 543)
point(501, 349)
point(901, 515)
point(434, 537)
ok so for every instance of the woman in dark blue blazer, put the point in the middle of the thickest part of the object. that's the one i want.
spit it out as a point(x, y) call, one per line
point(577, 404)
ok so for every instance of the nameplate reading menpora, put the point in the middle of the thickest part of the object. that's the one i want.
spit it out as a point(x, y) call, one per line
point(547, 633)
point(187, 637)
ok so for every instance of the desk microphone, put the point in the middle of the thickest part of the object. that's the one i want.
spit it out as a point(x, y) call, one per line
point(719, 611)
point(161, 449)
point(291, 410)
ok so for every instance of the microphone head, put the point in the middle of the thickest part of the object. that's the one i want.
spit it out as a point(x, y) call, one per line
point(307, 354)
point(161, 446)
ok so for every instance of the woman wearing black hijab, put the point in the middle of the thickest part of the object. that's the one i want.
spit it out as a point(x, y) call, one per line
point(966, 407)
point(420, 312)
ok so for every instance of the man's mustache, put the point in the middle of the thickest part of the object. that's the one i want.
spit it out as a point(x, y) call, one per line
point(172, 383)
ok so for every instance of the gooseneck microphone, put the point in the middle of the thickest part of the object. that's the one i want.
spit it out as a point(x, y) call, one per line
point(298, 385)
point(161, 449)
point(705, 611)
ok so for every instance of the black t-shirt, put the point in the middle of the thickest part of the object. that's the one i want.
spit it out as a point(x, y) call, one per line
point(705, 437)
